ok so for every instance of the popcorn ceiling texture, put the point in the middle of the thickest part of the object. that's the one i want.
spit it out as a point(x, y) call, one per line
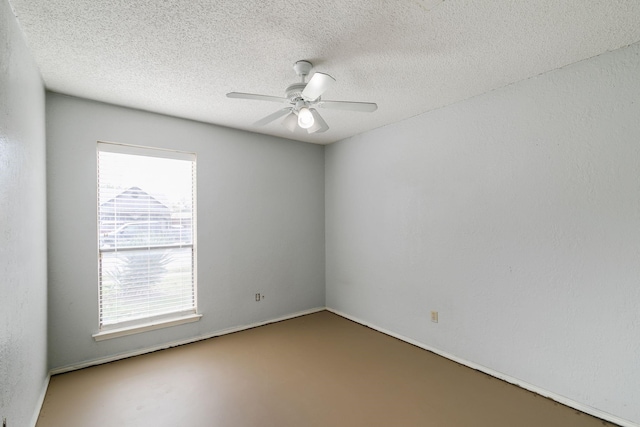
point(182, 57)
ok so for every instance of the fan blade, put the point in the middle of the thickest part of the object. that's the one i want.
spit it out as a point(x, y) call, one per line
point(366, 107)
point(290, 122)
point(272, 117)
point(316, 86)
point(319, 125)
point(256, 97)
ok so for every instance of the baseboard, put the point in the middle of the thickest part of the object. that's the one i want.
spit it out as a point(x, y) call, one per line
point(43, 393)
point(120, 356)
point(546, 393)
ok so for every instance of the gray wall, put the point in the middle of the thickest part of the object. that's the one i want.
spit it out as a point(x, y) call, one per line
point(23, 257)
point(260, 224)
point(516, 215)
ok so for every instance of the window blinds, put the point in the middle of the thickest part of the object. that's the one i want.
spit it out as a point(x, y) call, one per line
point(146, 229)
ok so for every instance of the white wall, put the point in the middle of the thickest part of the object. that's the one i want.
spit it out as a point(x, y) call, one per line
point(516, 215)
point(260, 224)
point(23, 257)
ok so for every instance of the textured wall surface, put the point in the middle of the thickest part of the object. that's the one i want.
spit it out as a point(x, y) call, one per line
point(516, 215)
point(260, 224)
point(23, 268)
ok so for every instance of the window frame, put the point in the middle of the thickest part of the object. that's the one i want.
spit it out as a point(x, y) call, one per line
point(149, 323)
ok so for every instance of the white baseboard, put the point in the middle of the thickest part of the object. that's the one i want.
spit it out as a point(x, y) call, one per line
point(43, 393)
point(546, 393)
point(113, 358)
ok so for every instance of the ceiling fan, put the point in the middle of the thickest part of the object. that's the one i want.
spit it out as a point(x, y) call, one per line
point(303, 97)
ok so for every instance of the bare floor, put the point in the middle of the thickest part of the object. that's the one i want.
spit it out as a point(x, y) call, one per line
point(315, 370)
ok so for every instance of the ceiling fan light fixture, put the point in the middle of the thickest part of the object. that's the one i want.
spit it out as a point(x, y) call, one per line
point(305, 118)
point(290, 122)
point(319, 125)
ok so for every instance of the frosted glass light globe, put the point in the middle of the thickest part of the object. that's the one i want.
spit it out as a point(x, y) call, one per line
point(305, 118)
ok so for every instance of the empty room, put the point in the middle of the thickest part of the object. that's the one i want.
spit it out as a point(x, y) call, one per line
point(319, 213)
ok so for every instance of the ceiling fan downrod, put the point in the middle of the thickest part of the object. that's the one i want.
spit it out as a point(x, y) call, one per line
point(302, 69)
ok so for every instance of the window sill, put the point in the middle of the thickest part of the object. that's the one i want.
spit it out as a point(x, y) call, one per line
point(144, 327)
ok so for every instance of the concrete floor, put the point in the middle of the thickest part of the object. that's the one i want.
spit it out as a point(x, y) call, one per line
point(315, 370)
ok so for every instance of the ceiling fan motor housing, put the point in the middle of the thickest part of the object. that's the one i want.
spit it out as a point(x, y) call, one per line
point(294, 92)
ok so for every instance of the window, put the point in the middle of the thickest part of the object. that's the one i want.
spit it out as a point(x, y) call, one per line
point(146, 229)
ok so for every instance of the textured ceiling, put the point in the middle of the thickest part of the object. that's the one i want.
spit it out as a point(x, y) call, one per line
point(181, 57)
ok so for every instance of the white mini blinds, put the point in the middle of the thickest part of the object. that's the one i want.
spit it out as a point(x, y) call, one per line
point(146, 234)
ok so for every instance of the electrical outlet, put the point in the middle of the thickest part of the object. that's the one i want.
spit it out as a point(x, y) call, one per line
point(434, 316)
point(258, 297)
